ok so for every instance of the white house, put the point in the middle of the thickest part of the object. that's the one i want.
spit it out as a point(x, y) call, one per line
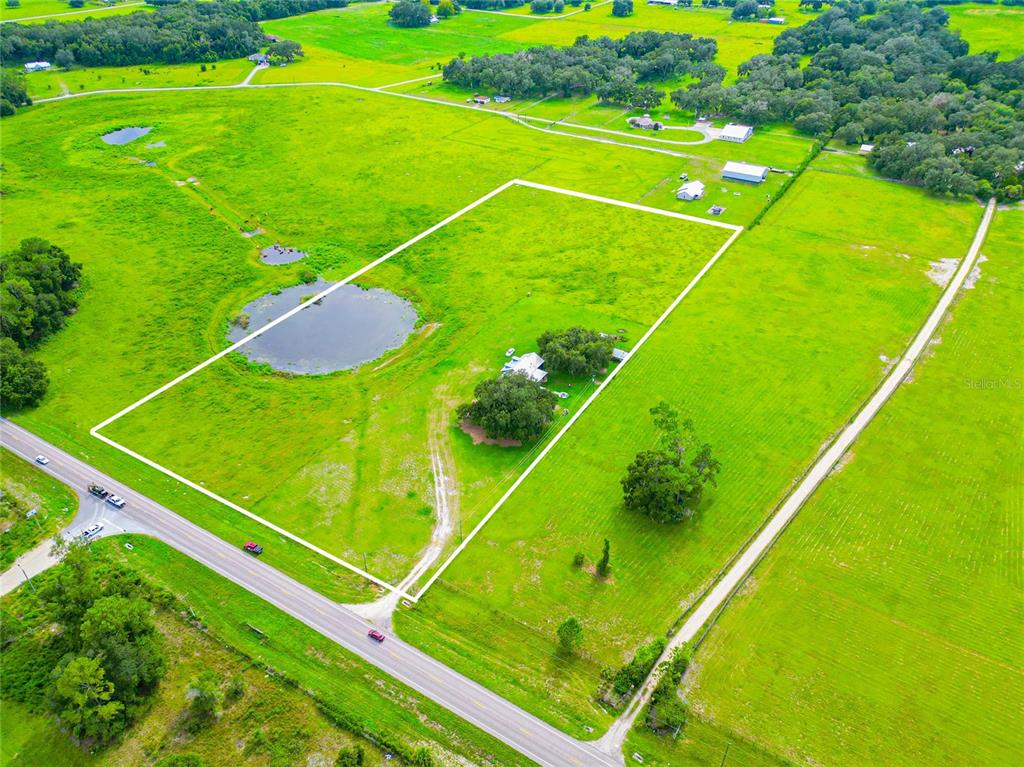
point(37, 66)
point(645, 123)
point(528, 365)
point(663, 2)
point(736, 133)
point(742, 171)
point(693, 190)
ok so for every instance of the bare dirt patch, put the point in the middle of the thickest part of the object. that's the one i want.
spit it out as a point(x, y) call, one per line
point(479, 438)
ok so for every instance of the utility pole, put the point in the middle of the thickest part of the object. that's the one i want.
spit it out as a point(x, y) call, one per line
point(27, 579)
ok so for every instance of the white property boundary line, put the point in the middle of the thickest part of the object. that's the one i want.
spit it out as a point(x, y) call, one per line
point(94, 431)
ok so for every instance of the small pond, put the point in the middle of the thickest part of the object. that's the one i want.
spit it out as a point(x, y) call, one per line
point(125, 135)
point(279, 254)
point(347, 328)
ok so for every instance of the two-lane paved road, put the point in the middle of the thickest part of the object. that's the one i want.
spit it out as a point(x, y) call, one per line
point(493, 714)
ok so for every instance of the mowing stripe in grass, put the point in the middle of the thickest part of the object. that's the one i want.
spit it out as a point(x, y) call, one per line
point(95, 430)
point(719, 596)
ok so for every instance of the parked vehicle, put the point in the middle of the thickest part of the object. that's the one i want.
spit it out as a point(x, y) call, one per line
point(42, 460)
point(98, 491)
point(116, 501)
point(375, 635)
point(92, 531)
point(253, 548)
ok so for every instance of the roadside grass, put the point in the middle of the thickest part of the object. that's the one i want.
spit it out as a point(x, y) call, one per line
point(271, 723)
point(888, 618)
point(29, 8)
point(343, 460)
point(57, 82)
point(309, 662)
point(699, 744)
point(343, 175)
point(990, 28)
point(770, 356)
point(53, 502)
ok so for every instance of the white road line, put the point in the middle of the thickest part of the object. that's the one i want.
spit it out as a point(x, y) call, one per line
point(819, 471)
point(401, 589)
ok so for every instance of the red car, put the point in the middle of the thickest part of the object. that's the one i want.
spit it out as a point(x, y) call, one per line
point(253, 548)
point(375, 635)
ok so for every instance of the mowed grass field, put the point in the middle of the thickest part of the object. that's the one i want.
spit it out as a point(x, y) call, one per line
point(344, 175)
point(769, 356)
point(990, 28)
point(57, 82)
point(345, 460)
point(32, 8)
point(885, 627)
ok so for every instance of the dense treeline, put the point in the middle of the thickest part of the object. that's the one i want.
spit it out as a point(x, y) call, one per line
point(37, 283)
point(607, 67)
point(99, 659)
point(13, 92)
point(173, 34)
point(939, 117)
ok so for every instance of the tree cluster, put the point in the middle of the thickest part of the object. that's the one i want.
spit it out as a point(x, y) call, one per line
point(576, 351)
point(510, 407)
point(666, 712)
point(13, 92)
point(495, 5)
point(37, 283)
point(410, 13)
point(667, 483)
point(622, 8)
point(173, 34)
point(587, 66)
point(100, 664)
point(902, 80)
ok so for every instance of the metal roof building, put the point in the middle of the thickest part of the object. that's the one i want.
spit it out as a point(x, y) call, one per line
point(742, 171)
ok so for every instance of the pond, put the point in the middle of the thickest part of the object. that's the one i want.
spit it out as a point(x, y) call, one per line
point(350, 326)
point(279, 254)
point(125, 135)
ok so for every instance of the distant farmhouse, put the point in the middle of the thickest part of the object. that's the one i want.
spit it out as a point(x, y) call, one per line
point(736, 133)
point(645, 123)
point(37, 66)
point(693, 190)
point(663, 2)
point(741, 171)
point(528, 365)
point(478, 99)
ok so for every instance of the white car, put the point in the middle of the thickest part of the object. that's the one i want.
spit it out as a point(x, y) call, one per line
point(116, 501)
point(92, 531)
point(42, 460)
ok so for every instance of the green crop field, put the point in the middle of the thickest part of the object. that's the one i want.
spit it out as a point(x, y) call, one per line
point(53, 502)
point(887, 619)
point(343, 460)
point(770, 355)
point(344, 195)
point(990, 28)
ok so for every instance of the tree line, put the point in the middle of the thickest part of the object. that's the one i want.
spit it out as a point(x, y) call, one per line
point(902, 80)
point(37, 284)
point(173, 34)
point(614, 69)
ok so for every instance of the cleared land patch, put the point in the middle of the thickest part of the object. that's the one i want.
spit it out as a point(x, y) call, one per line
point(763, 358)
point(990, 28)
point(891, 610)
point(343, 461)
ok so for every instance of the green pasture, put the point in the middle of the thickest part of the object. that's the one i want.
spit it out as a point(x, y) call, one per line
point(769, 356)
point(990, 28)
point(33, 8)
point(56, 82)
point(343, 460)
point(165, 264)
point(887, 619)
point(53, 502)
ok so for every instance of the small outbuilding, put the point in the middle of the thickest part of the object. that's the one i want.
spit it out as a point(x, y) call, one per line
point(663, 2)
point(619, 355)
point(736, 133)
point(478, 99)
point(742, 171)
point(692, 190)
point(867, 148)
point(37, 66)
point(502, 99)
point(777, 20)
point(529, 365)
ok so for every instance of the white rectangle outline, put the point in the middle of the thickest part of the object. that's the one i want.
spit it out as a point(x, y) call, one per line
point(94, 431)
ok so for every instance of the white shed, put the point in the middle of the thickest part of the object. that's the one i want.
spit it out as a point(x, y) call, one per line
point(742, 171)
point(693, 190)
point(736, 133)
point(37, 66)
